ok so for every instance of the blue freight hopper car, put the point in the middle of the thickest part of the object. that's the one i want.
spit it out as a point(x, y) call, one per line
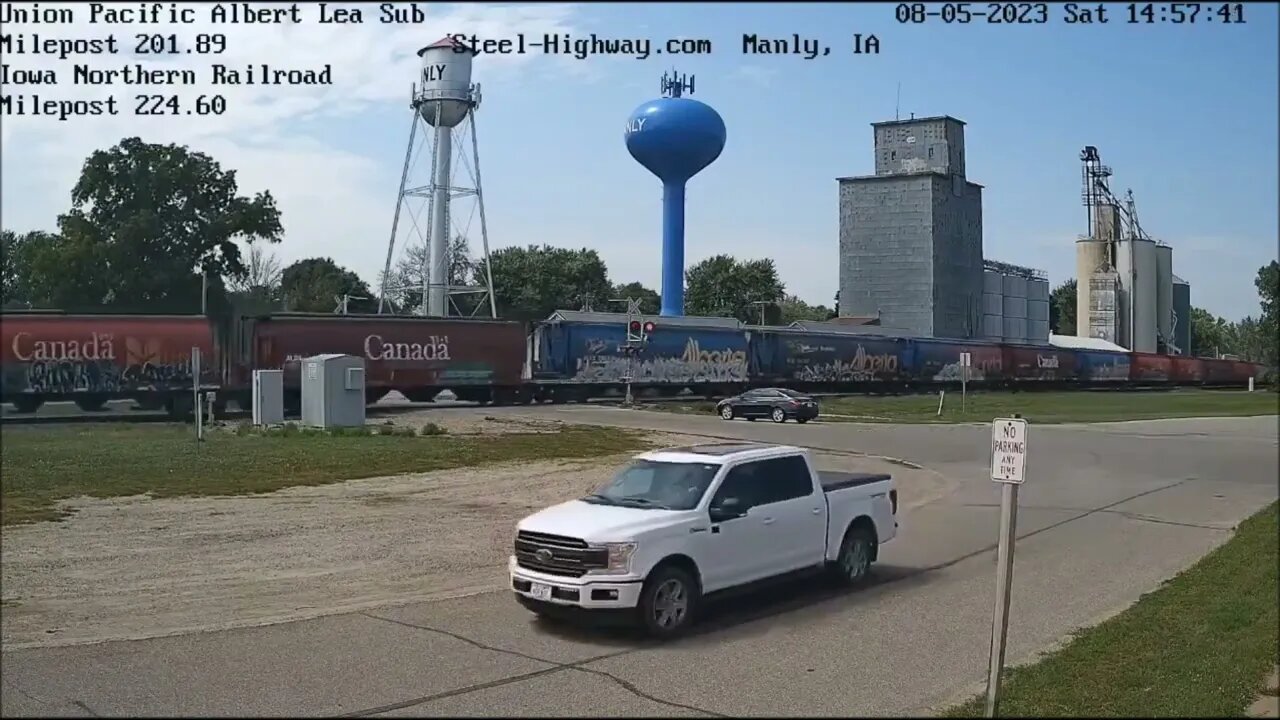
point(937, 362)
point(578, 354)
point(1103, 367)
point(828, 361)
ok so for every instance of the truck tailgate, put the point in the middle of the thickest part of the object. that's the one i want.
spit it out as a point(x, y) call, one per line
point(832, 480)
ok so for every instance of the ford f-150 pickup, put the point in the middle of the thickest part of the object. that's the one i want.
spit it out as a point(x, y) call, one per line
point(676, 525)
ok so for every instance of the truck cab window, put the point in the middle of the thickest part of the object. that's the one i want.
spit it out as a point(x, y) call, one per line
point(784, 478)
point(742, 482)
point(794, 480)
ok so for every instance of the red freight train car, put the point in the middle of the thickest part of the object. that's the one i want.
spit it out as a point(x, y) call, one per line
point(1150, 369)
point(477, 359)
point(91, 359)
point(1187, 370)
point(1218, 372)
point(1039, 364)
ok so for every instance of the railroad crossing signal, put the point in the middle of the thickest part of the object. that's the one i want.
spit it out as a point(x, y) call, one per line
point(638, 331)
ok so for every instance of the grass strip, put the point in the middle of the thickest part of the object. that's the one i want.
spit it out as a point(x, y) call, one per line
point(1037, 407)
point(1199, 646)
point(40, 466)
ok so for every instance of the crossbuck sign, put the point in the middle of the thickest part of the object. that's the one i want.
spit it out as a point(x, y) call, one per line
point(1008, 450)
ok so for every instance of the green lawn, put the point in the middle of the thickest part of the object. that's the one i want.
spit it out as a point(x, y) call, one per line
point(42, 465)
point(1037, 407)
point(1200, 646)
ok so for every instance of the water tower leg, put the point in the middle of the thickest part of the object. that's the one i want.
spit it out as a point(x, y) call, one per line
point(437, 290)
point(672, 249)
point(484, 225)
point(395, 221)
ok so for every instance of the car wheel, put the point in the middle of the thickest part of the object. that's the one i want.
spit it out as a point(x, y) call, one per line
point(726, 412)
point(853, 564)
point(668, 602)
point(779, 415)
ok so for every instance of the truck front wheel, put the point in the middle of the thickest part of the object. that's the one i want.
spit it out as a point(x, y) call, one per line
point(668, 602)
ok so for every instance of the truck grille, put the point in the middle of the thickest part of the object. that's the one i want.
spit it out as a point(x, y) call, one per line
point(569, 557)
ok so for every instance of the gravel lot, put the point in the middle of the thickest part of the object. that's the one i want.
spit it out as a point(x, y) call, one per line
point(130, 568)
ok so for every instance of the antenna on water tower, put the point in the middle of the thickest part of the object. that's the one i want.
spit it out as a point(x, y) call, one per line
point(674, 85)
point(446, 100)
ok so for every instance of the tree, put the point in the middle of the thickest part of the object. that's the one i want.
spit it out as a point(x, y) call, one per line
point(147, 219)
point(1062, 309)
point(318, 285)
point(722, 286)
point(533, 282)
point(793, 309)
point(650, 301)
point(404, 287)
point(1210, 334)
point(258, 291)
point(262, 272)
point(47, 270)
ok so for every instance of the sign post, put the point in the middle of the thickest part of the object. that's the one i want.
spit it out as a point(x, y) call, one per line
point(1008, 467)
point(195, 392)
point(965, 360)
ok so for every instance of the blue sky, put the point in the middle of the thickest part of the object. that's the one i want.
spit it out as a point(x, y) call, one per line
point(1186, 116)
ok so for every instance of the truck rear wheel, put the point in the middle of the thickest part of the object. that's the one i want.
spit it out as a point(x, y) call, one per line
point(853, 564)
point(668, 602)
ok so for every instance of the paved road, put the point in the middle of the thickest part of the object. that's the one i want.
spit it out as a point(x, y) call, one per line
point(1108, 512)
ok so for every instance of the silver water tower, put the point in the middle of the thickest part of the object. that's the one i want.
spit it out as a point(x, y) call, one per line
point(445, 99)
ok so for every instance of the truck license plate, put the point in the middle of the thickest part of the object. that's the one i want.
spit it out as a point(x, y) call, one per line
point(540, 591)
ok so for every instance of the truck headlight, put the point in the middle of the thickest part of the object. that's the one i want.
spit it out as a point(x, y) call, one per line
point(619, 558)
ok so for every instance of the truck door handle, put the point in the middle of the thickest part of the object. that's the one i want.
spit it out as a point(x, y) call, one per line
point(768, 521)
point(817, 511)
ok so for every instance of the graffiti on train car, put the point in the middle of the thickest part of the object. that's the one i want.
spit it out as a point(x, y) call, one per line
point(605, 362)
point(92, 364)
point(862, 366)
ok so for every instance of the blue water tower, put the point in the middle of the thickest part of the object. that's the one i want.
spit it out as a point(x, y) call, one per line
point(674, 137)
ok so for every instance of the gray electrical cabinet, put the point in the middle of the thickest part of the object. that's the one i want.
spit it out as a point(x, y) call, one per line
point(268, 397)
point(333, 391)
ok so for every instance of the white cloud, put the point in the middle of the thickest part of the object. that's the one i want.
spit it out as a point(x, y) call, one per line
point(326, 194)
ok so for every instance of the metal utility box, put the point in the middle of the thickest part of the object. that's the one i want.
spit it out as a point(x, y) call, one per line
point(333, 391)
point(268, 397)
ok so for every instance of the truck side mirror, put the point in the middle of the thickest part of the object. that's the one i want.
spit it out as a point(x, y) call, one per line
point(726, 509)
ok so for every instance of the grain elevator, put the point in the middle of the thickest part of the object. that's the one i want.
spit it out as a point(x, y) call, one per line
point(1125, 288)
point(911, 234)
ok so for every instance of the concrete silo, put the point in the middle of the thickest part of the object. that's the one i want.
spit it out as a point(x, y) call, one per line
point(1136, 265)
point(1038, 310)
point(1164, 295)
point(1015, 308)
point(1182, 316)
point(992, 305)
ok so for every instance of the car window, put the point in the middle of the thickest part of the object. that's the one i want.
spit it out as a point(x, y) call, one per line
point(794, 478)
point(743, 482)
point(785, 478)
point(792, 393)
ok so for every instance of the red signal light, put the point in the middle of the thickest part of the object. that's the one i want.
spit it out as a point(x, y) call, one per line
point(635, 326)
point(649, 327)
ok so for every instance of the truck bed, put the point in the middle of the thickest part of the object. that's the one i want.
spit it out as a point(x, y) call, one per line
point(832, 480)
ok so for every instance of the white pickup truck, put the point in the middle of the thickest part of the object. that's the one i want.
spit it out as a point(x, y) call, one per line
point(676, 525)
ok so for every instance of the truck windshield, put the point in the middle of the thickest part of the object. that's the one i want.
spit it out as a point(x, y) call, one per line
point(659, 485)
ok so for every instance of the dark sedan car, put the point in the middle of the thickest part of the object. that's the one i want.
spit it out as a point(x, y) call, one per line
point(777, 404)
